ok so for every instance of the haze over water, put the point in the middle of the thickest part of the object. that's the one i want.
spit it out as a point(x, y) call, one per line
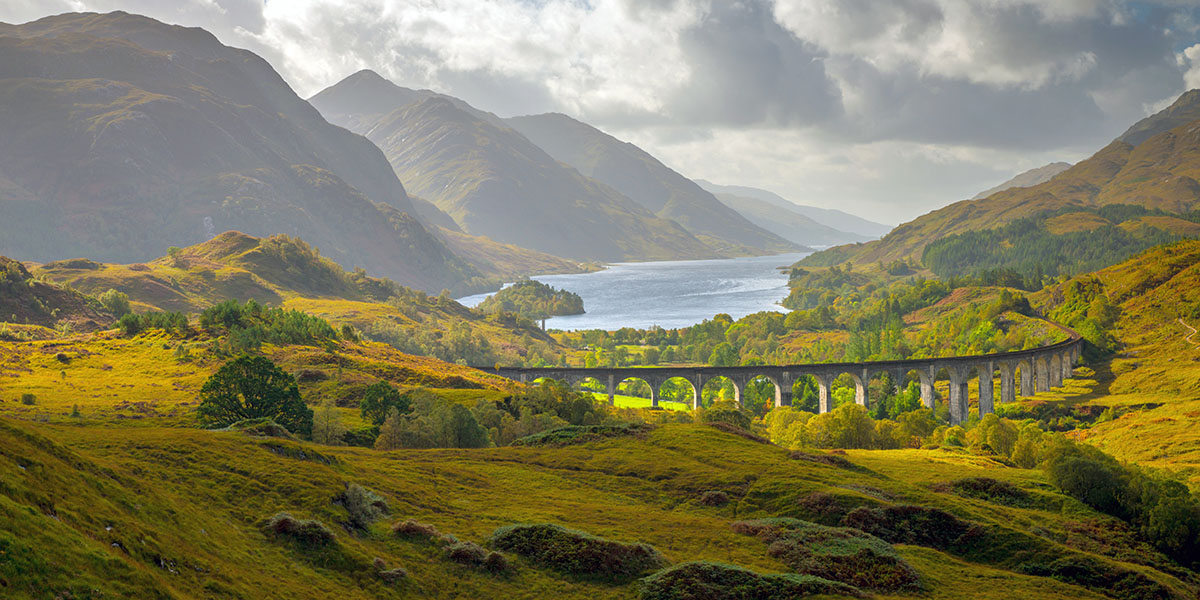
point(670, 294)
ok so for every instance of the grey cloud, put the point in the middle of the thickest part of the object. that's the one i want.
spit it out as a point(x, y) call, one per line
point(747, 70)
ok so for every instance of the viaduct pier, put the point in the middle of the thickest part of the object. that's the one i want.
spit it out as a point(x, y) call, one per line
point(1023, 372)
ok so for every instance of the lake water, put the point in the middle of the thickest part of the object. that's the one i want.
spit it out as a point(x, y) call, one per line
point(670, 294)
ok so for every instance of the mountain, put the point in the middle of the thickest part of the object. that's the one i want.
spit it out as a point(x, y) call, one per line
point(1029, 178)
point(494, 182)
point(123, 136)
point(1159, 174)
point(359, 100)
point(829, 217)
point(647, 181)
point(788, 223)
point(1184, 110)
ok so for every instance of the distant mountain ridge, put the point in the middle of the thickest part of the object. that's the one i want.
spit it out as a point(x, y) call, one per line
point(494, 182)
point(788, 223)
point(123, 136)
point(1029, 178)
point(368, 103)
point(647, 181)
point(829, 217)
point(1159, 173)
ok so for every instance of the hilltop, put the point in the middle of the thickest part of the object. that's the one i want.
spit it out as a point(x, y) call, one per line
point(851, 225)
point(124, 135)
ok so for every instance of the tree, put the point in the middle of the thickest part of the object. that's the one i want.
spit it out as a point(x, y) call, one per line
point(378, 400)
point(116, 302)
point(252, 387)
point(327, 425)
point(723, 355)
point(176, 253)
point(391, 433)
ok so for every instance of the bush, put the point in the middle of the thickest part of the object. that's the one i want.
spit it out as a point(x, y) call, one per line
point(991, 490)
point(581, 434)
point(305, 531)
point(263, 427)
point(116, 302)
point(1112, 580)
point(738, 431)
point(395, 575)
point(836, 553)
point(715, 581)
point(474, 555)
point(576, 552)
point(363, 505)
point(732, 416)
point(914, 525)
point(28, 399)
point(714, 498)
point(416, 530)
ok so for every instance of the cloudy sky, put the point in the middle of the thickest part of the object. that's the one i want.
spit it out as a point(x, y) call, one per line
point(884, 108)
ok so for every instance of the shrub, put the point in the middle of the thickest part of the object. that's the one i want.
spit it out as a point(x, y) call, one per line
point(1112, 580)
point(263, 427)
point(714, 498)
point(732, 416)
point(576, 552)
point(415, 529)
point(305, 531)
point(825, 507)
point(832, 460)
point(580, 434)
point(991, 490)
point(738, 431)
point(388, 575)
point(467, 553)
point(28, 399)
point(915, 525)
point(363, 505)
point(715, 581)
point(836, 553)
point(116, 302)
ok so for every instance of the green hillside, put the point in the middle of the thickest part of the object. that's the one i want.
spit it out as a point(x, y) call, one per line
point(287, 272)
point(125, 136)
point(1158, 173)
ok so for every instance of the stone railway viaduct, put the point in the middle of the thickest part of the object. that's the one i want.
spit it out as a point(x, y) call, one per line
point(1024, 372)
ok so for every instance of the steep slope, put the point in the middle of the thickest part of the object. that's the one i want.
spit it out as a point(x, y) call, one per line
point(641, 177)
point(361, 99)
point(27, 300)
point(124, 136)
point(1158, 174)
point(1029, 178)
point(1184, 110)
point(829, 217)
point(787, 223)
point(494, 182)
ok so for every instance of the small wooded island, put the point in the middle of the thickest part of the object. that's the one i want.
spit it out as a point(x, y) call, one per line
point(533, 299)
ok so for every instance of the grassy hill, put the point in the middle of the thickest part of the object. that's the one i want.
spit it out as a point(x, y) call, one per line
point(1158, 173)
point(125, 135)
point(196, 527)
point(1152, 383)
point(642, 178)
point(287, 272)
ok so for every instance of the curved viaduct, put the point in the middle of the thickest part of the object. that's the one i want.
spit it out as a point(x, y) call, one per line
point(1039, 370)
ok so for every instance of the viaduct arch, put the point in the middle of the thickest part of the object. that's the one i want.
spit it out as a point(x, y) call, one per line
point(1039, 368)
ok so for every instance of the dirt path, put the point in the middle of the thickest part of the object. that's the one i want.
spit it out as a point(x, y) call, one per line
point(1188, 339)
